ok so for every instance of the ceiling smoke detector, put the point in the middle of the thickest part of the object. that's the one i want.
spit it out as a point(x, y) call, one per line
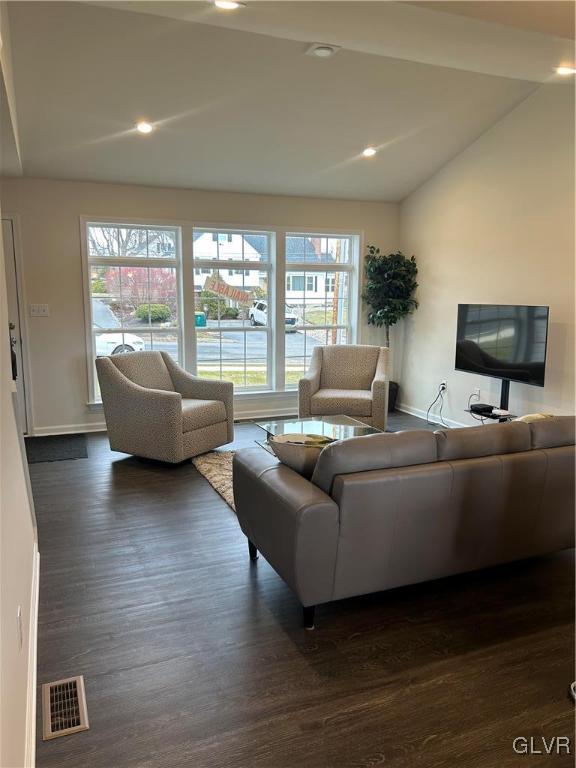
point(322, 50)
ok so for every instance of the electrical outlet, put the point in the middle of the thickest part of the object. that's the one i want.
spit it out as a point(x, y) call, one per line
point(476, 393)
point(443, 385)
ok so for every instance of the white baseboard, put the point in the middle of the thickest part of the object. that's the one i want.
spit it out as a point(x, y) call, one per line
point(30, 754)
point(433, 416)
point(69, 429)
point(247, 405)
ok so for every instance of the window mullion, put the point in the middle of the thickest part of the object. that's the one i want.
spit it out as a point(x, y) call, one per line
point(278, 356)
point(187, 301)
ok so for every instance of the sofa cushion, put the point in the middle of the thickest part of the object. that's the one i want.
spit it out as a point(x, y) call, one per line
point(382, 451)
point(147, 369)
point(352, 402)
point(489, 440)
point(553, 433)
point(348, 366)
point(201, 413)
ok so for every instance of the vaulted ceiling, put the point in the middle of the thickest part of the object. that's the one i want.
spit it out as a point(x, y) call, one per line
point(237, 105)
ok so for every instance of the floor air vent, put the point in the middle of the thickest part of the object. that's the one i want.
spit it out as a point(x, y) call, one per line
point(64, 708)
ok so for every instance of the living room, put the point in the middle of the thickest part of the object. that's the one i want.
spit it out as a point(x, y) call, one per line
point(147, 149)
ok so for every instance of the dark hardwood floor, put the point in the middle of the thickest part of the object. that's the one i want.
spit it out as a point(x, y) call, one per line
point(192, 656)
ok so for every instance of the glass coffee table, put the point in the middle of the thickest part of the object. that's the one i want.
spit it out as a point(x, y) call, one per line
point(330, 427)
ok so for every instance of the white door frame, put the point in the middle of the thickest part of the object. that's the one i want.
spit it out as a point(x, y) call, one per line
point(14, 219)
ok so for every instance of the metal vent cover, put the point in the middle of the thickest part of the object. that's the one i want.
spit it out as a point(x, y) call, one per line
point(64, 708)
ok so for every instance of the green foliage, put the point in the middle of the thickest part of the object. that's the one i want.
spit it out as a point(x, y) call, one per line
point(159, 313)
point(230, 313)
point(98, 285)
point(208, 302)
point(390, 286)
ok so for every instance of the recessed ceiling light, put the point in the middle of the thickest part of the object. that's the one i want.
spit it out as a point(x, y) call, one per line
point(322, 50)
point(369, 152)
point(144, 127)
point(565, 71)
point(229, 5)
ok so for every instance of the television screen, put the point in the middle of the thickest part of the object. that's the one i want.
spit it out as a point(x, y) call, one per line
point(503, 341)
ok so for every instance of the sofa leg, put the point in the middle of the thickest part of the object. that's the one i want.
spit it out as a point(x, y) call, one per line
point(252, 550)
point(308, 616)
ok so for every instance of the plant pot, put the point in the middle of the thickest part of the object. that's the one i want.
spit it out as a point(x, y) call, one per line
point(392, 396)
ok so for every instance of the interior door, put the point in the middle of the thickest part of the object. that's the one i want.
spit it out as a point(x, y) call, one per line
point(14, 317)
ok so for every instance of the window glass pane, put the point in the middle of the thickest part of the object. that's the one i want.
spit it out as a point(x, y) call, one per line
point(214, 245)
point(148, 295)
point(163, 297)
point(106, 299)
point(314, 249)
point(299, 346)
point(165, 341)
point(238, 356)
point(132, 241)
point(132, 298)
point(135, 295)
point(319, 298)
point(234, 300)
point(115, 342)
point(107, 241)
point(102, 241)
point(162, 243)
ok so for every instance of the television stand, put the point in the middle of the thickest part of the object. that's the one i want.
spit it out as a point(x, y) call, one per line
point(504, 400)
point(492, 417)
point(505, 394)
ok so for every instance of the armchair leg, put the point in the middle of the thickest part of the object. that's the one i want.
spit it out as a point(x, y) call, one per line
point(308, 616)
point(252, 551)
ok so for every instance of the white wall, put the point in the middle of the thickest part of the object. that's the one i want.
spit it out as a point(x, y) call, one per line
point(496, 225)
point(49, 214)
point(18, 548)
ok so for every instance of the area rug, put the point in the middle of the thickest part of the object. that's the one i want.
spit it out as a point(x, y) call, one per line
point(56, 448)
point(216, 467)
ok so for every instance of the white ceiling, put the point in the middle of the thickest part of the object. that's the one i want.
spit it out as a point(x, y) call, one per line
point(238, 106)
point(549, 17)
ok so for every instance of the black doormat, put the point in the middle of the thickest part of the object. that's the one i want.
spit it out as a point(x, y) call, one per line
point(56, 448)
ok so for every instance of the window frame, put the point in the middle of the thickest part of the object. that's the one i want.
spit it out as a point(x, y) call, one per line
point(89, 261)
point(351, 268)
point(185, 274)
point(232, 265)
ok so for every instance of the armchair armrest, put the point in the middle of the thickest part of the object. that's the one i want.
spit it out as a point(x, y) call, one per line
point(203, 389)
point(379, 390)
point(309, 384)
point(293, 523)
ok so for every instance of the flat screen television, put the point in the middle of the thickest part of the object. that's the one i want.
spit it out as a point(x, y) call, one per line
point(504, 341)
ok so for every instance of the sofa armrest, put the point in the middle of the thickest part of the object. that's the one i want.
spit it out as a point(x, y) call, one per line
point(379, 390)
point(294, 524)
point(309, 384)
point(203, 389)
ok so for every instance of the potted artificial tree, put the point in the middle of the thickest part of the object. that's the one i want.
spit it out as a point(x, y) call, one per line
point(389, 293)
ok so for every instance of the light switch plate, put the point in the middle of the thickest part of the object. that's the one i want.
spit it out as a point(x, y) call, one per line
point(39, 310)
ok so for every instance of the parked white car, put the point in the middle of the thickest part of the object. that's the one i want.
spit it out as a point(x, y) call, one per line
point(258, 315)
point(112, 343)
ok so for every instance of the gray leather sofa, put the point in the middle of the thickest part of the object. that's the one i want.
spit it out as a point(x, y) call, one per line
point(388, 510)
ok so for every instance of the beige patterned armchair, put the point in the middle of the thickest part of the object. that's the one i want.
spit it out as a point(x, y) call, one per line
point(348, 380)
point(156, 409)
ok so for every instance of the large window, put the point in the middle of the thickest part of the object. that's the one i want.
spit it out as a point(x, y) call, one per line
point(133, 289)
point(248, 306)
point(319, 271)
point(232, 298)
